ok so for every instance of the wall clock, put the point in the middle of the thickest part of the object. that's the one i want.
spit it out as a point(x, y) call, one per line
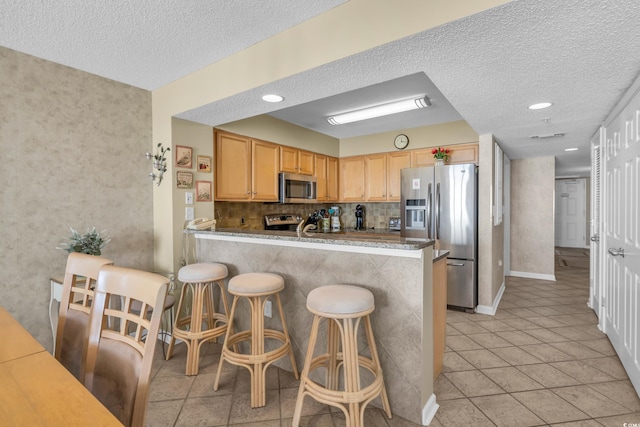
point(401, 141)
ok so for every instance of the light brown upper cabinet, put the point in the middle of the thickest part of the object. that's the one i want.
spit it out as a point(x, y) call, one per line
point(352, 182)
point(293, 160)
point(326, 169)
point(462, 153)
point(332, 179)
point(375, 176)
point(396, 161)
point(265, 166)
point(321, 177)
point(375, 172)
point(246, 169)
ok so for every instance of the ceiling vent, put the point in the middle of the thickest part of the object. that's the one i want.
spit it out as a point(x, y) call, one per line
point(547, 136)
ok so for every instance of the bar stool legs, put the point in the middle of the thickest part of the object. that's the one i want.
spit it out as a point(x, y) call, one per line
point(342, 326)
point(257, 288)
point(199, 279)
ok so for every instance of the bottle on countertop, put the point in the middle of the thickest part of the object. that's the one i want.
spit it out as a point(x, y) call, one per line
point(335, 218)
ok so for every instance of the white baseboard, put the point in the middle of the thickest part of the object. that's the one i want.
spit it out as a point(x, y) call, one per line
point(491, 311)
point(429, 410)
point(527, 275)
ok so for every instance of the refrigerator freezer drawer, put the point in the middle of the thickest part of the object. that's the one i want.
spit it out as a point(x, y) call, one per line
point(462, 290)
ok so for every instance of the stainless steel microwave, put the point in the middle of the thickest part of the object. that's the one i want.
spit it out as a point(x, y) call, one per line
point(296, 188)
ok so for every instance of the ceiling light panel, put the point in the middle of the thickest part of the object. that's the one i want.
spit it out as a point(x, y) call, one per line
point(380, 110)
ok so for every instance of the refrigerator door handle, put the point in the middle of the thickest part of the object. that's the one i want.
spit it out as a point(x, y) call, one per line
point(429, 210)
point(437, 210)
point(455, 264)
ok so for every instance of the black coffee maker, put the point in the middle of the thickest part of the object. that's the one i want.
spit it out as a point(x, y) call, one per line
point(359, 217)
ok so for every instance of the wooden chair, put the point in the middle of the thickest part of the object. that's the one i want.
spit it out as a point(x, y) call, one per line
point(122, 342)
point(73, 318)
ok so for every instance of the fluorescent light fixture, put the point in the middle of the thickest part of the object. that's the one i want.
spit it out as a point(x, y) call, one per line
point(272, 98)
point(549, 135)
point(380, 110)
point(570, 149)
point(540, 106)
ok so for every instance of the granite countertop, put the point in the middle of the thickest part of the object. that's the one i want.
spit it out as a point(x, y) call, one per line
point(378, 238)
point(438, 254)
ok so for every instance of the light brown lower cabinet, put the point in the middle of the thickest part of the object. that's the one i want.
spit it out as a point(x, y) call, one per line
point(439, 313)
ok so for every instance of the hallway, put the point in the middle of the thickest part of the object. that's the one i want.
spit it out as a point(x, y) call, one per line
point(540, 361)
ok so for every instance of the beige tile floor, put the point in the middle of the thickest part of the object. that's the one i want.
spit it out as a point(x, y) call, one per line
point(540, 361)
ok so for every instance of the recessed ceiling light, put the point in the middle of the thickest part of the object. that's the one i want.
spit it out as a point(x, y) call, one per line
point(272, 98)
point(570, 149)
point(540, 106)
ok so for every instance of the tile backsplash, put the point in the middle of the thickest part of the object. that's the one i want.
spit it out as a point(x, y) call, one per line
point(251, 215)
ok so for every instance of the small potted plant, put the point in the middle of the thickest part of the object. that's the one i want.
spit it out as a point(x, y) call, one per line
point(90, 243)
point(441, 155)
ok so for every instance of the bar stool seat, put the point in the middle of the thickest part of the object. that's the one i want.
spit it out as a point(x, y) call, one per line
point(199, 278)
point(343, 307)
point(257, 288)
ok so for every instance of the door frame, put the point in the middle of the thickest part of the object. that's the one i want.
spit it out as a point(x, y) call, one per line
point(584, 222)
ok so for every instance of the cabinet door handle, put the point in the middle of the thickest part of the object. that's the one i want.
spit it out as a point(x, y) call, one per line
point(617, 252)
point(595, 238)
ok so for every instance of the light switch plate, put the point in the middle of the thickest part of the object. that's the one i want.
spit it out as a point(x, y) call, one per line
point(188, 198)
point(188, 213)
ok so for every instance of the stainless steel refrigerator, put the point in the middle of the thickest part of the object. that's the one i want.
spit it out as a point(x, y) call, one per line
point(441, 203)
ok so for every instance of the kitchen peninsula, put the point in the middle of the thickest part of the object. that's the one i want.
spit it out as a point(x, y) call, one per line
point(398, 271)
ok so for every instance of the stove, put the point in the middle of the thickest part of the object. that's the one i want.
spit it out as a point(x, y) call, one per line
point(281, 221)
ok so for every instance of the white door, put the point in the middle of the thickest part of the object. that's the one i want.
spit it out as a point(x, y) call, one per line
point(595, 288)
point(621, 240)
point(571, 213)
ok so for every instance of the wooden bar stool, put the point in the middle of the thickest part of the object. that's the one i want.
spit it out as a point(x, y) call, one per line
point(199, 278)
point(343, 306)
point(257, 288)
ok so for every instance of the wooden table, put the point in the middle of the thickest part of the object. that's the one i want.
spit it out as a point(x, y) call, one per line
point(36, 390)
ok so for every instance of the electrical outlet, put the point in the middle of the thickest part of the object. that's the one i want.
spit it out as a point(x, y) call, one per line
point(188, 213)
point(188, 198)
point(267, 309)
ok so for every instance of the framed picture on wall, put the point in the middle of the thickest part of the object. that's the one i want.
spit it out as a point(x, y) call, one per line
point(184, 179)
point(184, 157)
point(204, 164)
point(203, 191)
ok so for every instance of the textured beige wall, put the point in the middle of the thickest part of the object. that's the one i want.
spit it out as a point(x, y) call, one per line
point(200, 138)
point(490, 237)
point(426, 136)
point(532, 216)
point(72, 147)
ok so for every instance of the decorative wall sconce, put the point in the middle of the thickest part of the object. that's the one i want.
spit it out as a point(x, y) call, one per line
point(159, 162)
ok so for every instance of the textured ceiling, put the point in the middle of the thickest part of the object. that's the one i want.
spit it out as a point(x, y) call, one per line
point(579, 54)
point(146, 43)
